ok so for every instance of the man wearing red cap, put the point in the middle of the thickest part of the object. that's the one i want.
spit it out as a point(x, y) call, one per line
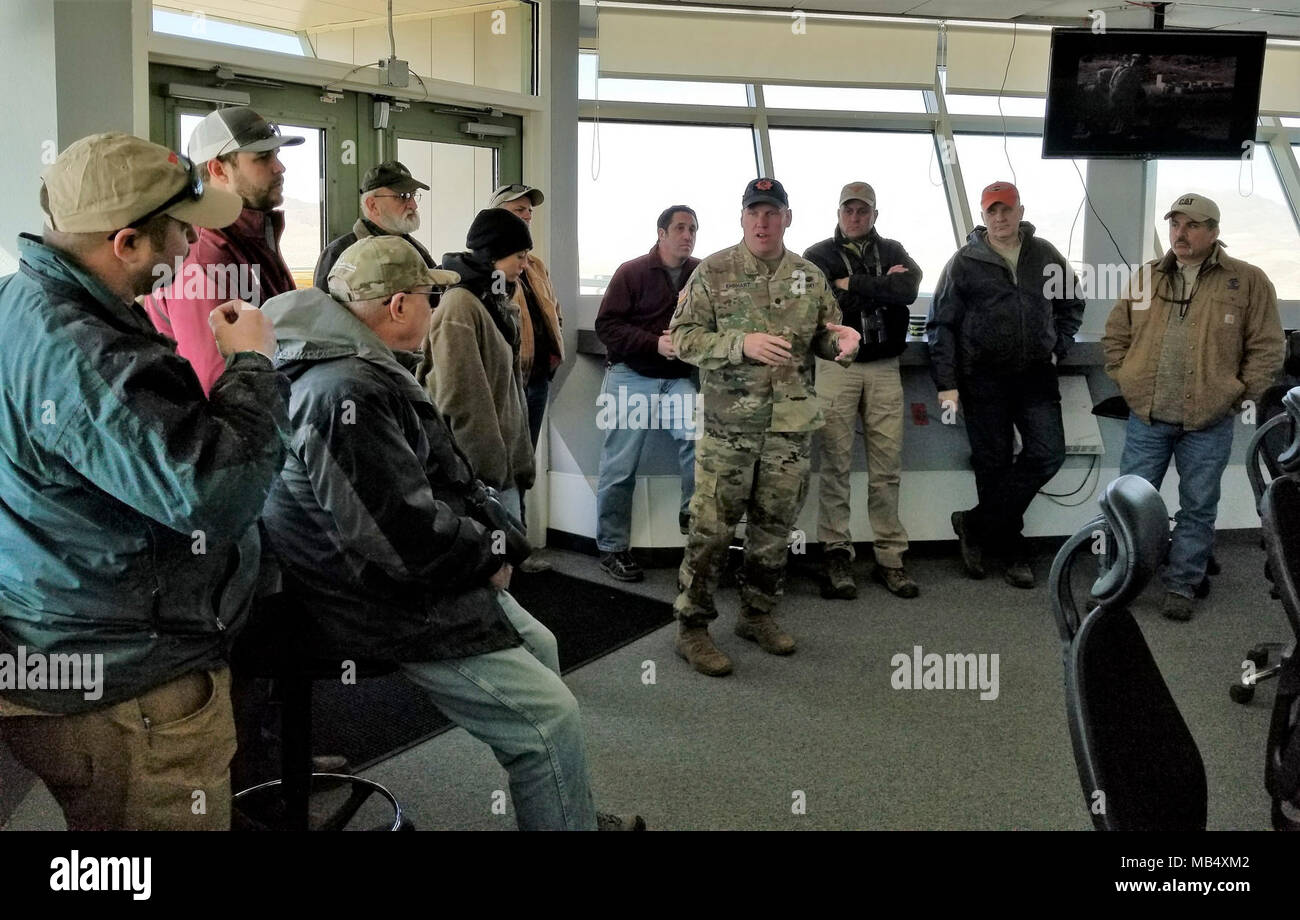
point(996, 331)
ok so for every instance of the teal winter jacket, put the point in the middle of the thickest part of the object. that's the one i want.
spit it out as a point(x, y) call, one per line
point(128, 501)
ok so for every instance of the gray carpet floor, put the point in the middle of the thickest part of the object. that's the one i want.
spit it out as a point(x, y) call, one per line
point(821, 740)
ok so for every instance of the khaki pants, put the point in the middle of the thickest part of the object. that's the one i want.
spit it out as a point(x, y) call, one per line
point(872, 391)
point(141, 764)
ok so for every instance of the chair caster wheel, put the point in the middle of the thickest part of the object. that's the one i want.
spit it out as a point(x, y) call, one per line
point(1241, 693)
point(1258, 656)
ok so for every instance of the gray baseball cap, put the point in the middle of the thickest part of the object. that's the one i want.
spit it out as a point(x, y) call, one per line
point(236, 130)
point(506, 193)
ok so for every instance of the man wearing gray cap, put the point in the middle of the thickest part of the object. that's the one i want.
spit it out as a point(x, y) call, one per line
point(541, 322)
point(874, 280)
point(237, 148)
point(128, 501)
point(384, 532)
point(1197, 339)
point(390, 205)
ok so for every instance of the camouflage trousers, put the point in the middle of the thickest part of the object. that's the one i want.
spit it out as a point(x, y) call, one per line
point(762, 476)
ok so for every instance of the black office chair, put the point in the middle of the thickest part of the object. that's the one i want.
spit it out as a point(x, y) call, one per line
point(1280, 513)
point(274, 646)
point(1275, 445)
point(1138, 764)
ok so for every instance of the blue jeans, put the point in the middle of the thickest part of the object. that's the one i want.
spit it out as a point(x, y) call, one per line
point(640, 406)
point(1201, 457)
point(514, 701)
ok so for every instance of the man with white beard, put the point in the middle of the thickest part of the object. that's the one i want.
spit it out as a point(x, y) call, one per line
point(390, 206)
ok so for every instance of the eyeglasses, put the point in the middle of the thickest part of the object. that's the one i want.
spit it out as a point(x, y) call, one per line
point(434, 295)
point(405, 196)
point(192, 190)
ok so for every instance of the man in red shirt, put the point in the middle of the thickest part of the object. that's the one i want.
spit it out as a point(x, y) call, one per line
point(237, 149)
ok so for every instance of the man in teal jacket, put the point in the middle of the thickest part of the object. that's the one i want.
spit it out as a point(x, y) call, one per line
point(128, 502)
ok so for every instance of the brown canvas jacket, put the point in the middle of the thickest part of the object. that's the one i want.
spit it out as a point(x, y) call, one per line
point(1237, 336)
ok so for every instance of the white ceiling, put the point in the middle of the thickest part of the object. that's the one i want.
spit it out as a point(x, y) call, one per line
point(1280, 18)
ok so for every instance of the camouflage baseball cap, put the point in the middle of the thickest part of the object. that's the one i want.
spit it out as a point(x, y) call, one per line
point(1195, 206)
point(380, 266)
point(108, 181)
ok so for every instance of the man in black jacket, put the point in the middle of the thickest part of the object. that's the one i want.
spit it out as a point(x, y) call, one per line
point(874, 280)
point(999, 322)
point(373, 519)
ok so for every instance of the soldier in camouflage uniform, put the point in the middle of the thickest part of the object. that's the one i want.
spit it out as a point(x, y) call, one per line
point(751, 318)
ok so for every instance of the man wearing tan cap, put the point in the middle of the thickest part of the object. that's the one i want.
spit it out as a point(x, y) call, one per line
point(1197, 339)
point(996, 331)
point(874, 280)
point(386, 536)
point(128, 501)
point(237, 151)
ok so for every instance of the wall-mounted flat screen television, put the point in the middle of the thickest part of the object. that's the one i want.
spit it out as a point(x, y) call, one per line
point(1152, 94)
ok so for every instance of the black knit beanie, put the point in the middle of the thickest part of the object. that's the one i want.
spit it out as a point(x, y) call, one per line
point(497, 233)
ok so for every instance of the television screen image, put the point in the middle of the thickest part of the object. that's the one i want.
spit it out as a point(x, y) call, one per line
point(1150, 94)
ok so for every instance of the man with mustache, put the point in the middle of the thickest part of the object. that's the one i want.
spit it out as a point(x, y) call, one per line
point(237, 148)
point(1197, 339)
point(390, 206)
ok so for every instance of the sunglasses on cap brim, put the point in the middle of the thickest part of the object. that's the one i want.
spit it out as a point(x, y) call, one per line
point(192, 190)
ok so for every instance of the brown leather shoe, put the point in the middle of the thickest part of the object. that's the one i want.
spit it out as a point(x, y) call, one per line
point(696, 645)
point(837, 576)
point(896, 581)
point(763, 629)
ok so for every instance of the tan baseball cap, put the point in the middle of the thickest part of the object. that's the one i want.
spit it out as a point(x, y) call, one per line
point(858, 191)
point(1195, 206)
point(106, 181)
point(506, 193)
point(379, 266)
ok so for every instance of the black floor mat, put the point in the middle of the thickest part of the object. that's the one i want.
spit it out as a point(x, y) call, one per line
point(375, 719)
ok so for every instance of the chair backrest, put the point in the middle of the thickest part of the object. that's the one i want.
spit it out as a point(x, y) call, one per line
point(1280, 514)
point(1138, 764)
point(1276, 442)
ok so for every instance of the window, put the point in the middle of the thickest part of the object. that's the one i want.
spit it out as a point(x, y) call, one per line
point(1050, 190)
point(682, 93)
point(843, 99)
point(200, 26)
point(961, 104)
point(460, 179)
point(304, 214)
point(814, 165)
point(640, 169)
point(1258, 228)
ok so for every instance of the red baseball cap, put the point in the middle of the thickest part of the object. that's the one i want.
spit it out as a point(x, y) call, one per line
point(1004, 192)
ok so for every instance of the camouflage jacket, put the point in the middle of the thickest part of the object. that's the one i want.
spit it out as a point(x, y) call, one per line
point(730, 295)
